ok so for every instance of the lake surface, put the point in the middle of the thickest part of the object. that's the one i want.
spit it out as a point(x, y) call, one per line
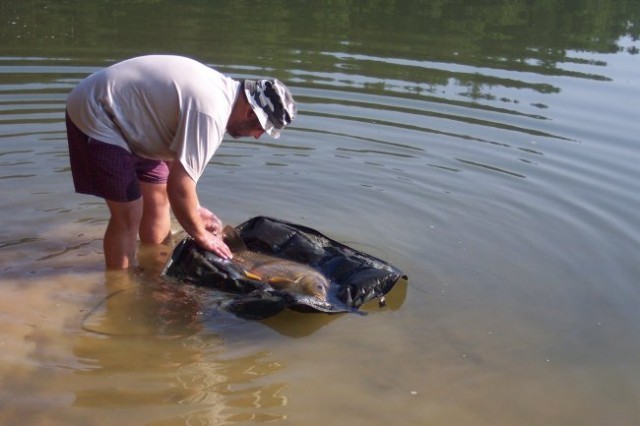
point(488, 150)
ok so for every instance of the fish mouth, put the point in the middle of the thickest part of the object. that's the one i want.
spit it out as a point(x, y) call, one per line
point(322, 295)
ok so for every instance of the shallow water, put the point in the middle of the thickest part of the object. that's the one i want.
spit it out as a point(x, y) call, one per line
point(488, 151)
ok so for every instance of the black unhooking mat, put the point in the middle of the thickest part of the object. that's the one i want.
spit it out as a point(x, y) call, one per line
point(354, 277)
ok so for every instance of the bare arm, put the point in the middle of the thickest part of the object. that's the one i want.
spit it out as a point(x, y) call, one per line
point(181, 190)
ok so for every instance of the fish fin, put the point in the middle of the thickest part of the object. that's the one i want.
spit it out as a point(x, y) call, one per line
point(252, 276)
point(233, 239)
point(280, 281)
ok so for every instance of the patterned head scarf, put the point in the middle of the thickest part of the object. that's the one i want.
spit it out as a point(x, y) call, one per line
point(272, 103)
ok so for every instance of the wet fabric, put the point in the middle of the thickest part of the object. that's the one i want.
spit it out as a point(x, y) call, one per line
point(355, 277)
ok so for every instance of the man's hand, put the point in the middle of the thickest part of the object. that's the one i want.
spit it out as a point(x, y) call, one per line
point(210, 221)
point(199, 222)
point(215, 244)
point(213, 241)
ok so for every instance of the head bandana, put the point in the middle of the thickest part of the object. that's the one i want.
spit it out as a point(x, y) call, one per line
point(272, 103)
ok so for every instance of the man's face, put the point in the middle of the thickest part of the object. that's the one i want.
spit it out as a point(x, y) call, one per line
point(248, 127)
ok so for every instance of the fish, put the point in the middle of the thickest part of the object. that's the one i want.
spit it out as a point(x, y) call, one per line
point(281, 274)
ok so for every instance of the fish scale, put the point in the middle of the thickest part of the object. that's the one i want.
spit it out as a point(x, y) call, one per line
point(281, 274)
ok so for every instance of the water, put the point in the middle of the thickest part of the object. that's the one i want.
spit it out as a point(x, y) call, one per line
point(488, 151)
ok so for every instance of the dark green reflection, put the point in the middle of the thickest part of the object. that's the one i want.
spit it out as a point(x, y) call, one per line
point(237, 30)
point(411, 47)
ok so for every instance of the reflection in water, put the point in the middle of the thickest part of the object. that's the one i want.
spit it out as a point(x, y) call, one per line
point(172, 368)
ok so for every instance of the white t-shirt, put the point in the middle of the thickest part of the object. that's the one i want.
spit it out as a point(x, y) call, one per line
point(160, 107)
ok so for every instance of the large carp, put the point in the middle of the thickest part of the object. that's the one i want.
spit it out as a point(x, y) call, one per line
point(281, 274)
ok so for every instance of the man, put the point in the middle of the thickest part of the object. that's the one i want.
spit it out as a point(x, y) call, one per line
point(140, 134)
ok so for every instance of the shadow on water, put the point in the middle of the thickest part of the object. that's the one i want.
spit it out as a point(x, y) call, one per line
point(296, 324)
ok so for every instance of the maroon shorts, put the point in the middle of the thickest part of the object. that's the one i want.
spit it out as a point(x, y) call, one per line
point(109, 171)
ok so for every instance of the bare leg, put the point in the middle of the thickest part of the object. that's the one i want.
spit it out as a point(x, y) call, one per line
point(155, 226)
point(122, 233)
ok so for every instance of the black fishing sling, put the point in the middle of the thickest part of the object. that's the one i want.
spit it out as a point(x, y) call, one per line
point(355, 277)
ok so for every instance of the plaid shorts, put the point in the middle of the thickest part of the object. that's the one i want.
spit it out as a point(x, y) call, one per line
point(109, 171)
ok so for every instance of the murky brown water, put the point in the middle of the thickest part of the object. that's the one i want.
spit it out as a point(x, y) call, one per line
point(488, 151)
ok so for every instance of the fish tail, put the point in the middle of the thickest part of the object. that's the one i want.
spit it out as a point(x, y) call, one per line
point(233, 239)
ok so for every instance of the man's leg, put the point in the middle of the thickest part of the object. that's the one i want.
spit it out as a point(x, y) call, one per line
point(122, 232)
point(108, 171)
point(155, 226)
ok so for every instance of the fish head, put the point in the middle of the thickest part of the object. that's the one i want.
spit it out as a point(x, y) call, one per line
point(314, 284)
